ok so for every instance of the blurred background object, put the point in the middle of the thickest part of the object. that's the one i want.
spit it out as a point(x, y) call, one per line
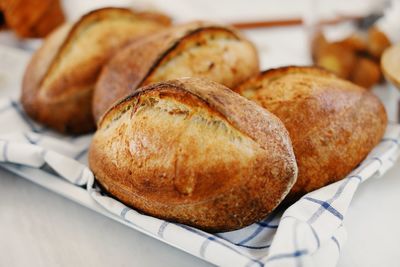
point(285, 32)
point(355, 52)
point(33, 18)
point(355, 58)
point(254, 16)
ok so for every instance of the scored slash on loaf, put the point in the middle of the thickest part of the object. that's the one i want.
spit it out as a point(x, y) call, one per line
point(58, 83)
point(194, 152)
point(197, 49)
point(333, 123)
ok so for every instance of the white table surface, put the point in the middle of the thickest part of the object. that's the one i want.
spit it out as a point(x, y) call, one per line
point(41, 228)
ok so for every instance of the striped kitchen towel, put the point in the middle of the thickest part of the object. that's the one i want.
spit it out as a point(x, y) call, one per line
point(309, 233)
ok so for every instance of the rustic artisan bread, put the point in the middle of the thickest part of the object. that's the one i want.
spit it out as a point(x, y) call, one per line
point(333, 123)
point(196, 49)
point(58, 83)
point(194, 152)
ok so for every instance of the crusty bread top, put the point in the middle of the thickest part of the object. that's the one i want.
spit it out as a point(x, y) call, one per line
point(259, 126)
point(39, 65)
point(333, 123)
point(273, 88)
point(318, 93)
point(78, 30)
point(62, 73)
point(252, 85)
point(138, 64)
point(195, 152)
point(158, 48)
point(57, 46)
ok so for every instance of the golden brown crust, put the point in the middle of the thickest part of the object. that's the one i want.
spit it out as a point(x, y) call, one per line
point(141, 63)
point(338, 59)
point(366, 72)
point(38, 66)
point(59, 81)
point(356, 42)
point(193, 151)
point(333, 123)
point(377, 42)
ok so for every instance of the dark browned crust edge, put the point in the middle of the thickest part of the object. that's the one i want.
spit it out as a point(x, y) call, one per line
point(197, 27)
point(281, 71)
point(212, 102)
point(178, 40)
point(298, 69)
point(76, 25)
point(91, 17)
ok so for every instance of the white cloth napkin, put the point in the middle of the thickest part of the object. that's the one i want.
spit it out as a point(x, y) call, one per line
point(309, 233)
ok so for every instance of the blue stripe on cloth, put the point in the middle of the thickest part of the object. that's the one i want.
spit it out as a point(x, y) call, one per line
point(296, 243)
point(336, 242)
point(81, 153)
point(259, 229)
point(161, 230)
point(377, 159)
point(202, 234)
point(31, 140)
point(317, 240)
point(250, 237)
point(387, 139)
point(296, 254)
point(206, 242)
point(126, 209)
point(254, 247)
point(267, 225)
point(318, 213)
point(326, 206)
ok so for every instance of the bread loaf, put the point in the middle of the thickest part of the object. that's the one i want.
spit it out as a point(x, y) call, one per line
point(196, 49)
point(194, 152)
point(58, 83)
point(333, 124)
